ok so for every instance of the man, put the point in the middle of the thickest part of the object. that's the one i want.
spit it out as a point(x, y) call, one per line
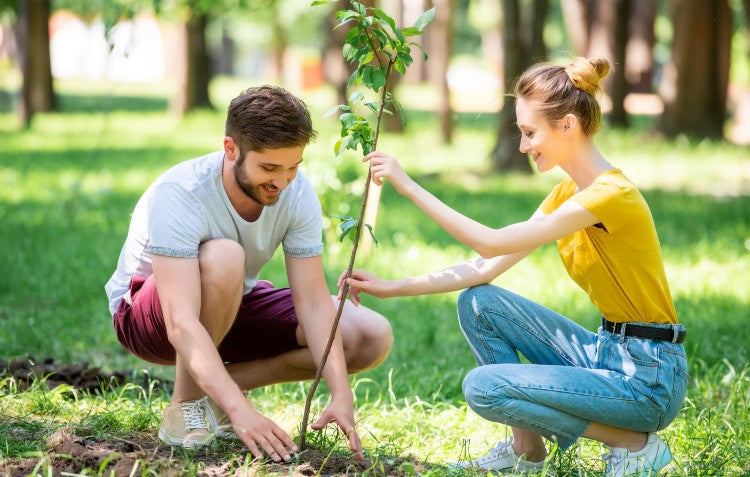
point(200, 235)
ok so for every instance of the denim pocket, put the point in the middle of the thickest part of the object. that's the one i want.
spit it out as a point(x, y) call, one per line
point(644, 356)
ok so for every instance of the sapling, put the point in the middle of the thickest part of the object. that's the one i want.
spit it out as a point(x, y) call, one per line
point(377, 47)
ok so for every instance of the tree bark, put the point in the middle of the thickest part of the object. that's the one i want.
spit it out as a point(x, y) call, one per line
point(537, 48)
point(37, 93)
point(618, 88)
point(577, 23)
point(639, 56)
point(442, 39)
point(195, 71)
point(694, 88)
point(506, 154)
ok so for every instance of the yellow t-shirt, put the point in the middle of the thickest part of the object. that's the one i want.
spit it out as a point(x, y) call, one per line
point(617, 262)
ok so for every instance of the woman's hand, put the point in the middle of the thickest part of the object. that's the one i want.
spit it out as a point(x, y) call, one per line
point(363, 281)
point(384, 166)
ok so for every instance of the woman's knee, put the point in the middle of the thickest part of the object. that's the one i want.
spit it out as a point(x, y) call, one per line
point(472, 301)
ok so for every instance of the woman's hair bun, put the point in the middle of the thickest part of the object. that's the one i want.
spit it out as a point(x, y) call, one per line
point(586, 73)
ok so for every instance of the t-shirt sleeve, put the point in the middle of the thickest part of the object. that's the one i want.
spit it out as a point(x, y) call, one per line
point(554, 199)
point(175, 222)
point(304, 237)
point(613, 205)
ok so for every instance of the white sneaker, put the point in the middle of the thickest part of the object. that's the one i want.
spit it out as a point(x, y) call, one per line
point(646, 462)
point(503, 457)
point(184, 424)
point(218, 421)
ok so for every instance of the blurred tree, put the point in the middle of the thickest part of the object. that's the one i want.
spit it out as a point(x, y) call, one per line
point(522, 47)
point(335, 70)
point(441, 41)
point(696, 79)
point(639, 57)
point(602, 29)
point(37, 94)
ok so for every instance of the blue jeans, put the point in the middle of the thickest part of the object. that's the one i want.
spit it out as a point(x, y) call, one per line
point(575, 377)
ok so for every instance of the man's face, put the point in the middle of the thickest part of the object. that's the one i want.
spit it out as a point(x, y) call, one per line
point(263, 175)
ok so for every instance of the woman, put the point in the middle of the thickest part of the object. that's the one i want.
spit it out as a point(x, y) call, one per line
point(617, 386)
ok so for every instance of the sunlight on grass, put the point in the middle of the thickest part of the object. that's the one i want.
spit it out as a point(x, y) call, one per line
point(68, 186)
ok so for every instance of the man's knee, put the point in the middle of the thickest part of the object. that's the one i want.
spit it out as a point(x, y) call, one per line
point(368, 338)
point(222, 263)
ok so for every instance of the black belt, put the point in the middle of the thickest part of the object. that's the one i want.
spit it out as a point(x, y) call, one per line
point(648, 332)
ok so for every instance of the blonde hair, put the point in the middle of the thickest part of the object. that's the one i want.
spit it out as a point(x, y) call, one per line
point(557, 91)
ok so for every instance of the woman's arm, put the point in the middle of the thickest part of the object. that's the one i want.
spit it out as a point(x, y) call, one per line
point(486, 241)
point(472, 272)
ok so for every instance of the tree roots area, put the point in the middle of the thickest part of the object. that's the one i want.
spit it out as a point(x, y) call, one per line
point(75, 450)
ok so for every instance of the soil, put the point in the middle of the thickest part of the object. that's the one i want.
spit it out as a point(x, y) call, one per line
point(80, 375)
point(70, 451)
point(71, 454)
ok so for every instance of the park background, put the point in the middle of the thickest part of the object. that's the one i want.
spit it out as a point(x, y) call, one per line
point(110, 94)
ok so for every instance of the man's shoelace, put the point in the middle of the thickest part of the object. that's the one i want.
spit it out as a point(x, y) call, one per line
point(194, 415)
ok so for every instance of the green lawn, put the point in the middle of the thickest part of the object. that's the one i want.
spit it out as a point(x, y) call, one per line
point(68, 185)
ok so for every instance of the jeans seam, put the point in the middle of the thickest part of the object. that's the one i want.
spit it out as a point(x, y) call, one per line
point(523, 325)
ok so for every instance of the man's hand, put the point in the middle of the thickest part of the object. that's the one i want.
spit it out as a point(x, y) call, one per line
point(258, 432)
point(342, 413)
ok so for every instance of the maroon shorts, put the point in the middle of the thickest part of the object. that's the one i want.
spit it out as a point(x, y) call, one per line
point(265, 326)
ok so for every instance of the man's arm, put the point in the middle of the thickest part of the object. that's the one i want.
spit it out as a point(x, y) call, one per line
point(315, 311)
point(179, 287)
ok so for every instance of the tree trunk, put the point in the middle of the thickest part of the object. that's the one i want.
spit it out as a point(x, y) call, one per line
point(537, 48)
point(442, 39)
point(195, 71)
point(37, 94)
point(416, 72)
point(506, 154)
point(639, 56)
point(577, 24)
point(694, 89)
point(618, 85)
point(278, 44)
point(225, 61)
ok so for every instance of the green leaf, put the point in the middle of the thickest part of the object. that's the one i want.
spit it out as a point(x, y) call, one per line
point(349, 52)
point(335, 109)
point(373, 106)
point(378, 78)
point(399, 66)
point(383, 16)
point(337, 147)
point(354, 78)
point(320, 2)
point(372, 234)
point(425, 19)
point(405, 58)
point(411, 31)
point(356, 97)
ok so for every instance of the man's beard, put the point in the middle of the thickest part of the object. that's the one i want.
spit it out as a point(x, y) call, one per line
point(251, 190)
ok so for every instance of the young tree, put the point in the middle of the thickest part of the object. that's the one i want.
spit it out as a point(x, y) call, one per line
point(378, 48)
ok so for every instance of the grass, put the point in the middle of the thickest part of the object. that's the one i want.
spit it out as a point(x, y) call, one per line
point(69, 183)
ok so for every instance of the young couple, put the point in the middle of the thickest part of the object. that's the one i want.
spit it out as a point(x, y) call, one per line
point(204, 229)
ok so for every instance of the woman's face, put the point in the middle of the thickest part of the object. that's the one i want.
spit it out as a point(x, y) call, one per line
point(542, 141)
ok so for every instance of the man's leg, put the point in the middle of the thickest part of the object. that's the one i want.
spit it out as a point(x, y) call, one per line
point(222, 273)
point(366, 337)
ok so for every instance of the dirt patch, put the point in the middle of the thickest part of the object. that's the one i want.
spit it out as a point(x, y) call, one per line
point(79, 375)
point(69, 453)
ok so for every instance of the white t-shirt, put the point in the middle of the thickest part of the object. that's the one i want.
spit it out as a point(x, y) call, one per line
point(187, 205)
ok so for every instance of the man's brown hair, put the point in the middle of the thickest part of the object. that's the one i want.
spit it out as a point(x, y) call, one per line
point(268, 117)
